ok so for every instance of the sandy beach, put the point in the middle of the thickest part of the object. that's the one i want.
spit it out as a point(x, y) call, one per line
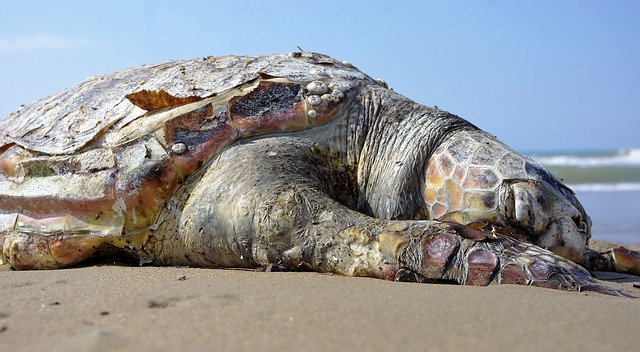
point(125, 308)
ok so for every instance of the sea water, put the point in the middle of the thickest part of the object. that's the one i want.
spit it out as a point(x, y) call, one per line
point(607, 184)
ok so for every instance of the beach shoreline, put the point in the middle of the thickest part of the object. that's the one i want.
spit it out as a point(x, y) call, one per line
point(126, 308)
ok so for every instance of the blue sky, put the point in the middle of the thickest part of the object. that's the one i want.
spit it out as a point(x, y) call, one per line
point(541, 75)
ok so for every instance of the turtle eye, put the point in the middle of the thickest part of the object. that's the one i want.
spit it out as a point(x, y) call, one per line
point(530, 209)
point(572, 209)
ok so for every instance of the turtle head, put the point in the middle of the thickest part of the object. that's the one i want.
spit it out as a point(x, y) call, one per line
point(473, 177)
point(549, 211)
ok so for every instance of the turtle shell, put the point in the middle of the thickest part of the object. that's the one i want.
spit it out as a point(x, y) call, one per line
point(104, 156)
point(70, 120)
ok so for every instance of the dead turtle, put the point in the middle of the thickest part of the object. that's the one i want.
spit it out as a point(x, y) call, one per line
point(297, 161)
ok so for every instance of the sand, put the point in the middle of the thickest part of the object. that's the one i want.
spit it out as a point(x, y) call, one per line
point(124, 308)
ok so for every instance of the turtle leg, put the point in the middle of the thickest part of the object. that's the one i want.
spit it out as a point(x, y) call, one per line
point(25, 250)
point(502, 260)
point(606, 256)
point(269, 201)
point(345, 242)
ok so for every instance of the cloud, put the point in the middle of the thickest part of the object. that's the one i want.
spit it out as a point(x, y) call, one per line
point(40, 42)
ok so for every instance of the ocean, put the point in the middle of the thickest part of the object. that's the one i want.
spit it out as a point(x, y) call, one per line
point(607, 184)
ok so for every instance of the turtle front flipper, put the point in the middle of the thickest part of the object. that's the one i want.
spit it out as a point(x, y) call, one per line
point(22, 250)
point(289, 217)
point(449, 256)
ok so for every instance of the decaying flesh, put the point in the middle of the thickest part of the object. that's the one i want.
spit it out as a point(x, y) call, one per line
point(296, 160)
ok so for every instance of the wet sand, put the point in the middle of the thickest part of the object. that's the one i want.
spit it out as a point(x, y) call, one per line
point(124, 308)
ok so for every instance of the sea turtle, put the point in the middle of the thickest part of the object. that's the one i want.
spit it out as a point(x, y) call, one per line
point(292, 161)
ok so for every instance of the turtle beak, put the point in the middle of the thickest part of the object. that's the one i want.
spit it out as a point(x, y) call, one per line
point(569, 229)
point(551, 213)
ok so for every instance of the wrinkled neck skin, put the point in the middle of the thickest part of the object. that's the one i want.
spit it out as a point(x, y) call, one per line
point(486, 181)
point(393, 139)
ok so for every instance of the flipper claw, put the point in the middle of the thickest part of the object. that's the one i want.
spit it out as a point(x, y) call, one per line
point(453, 256)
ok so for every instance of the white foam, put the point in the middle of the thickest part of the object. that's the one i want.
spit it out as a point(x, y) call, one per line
point(628, 157)
point(606, 187)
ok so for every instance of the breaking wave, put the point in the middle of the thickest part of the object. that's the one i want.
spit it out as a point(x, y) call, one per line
point(627, 157)
point(608, 171)
point(606, 187)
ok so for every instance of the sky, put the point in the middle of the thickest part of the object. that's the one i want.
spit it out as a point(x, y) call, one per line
point(541, 75)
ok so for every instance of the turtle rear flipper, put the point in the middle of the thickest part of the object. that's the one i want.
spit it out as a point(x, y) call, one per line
point(626, 260)
point(605, 256)
point(23, 250)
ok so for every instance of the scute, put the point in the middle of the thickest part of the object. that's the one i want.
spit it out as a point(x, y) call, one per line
point(481, 179)
point(273, 99)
